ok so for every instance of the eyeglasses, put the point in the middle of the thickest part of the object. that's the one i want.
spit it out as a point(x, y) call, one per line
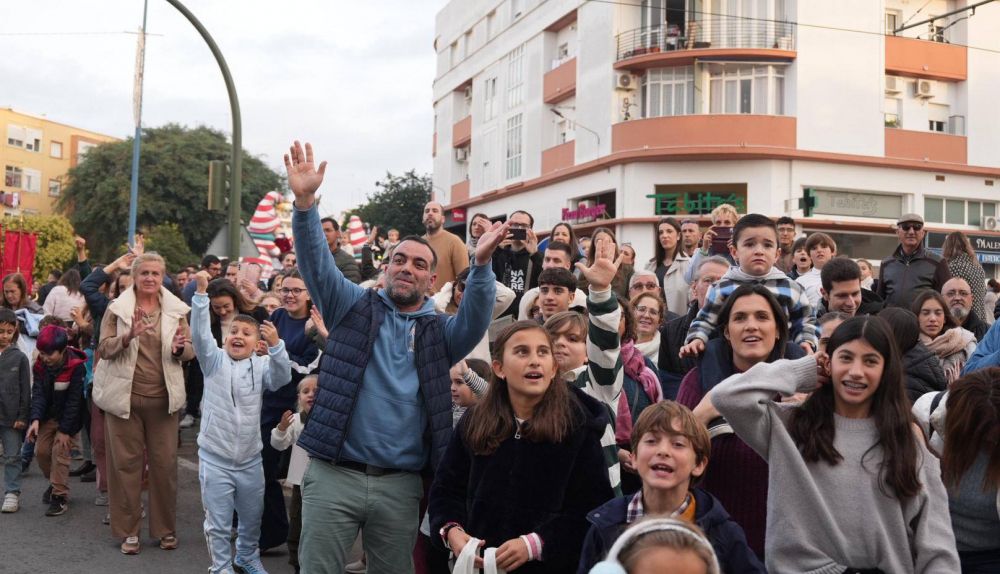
point(646, 286)
point(295, 291)
point(643, 310)
point(953, 293)
point(911, 226)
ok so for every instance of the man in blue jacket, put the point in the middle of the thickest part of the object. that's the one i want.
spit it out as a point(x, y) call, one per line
point(383, 408)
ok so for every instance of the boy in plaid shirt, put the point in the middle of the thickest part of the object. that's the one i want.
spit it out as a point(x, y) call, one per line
point(755, 248)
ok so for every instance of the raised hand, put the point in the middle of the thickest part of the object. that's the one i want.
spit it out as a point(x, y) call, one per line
point(317, 321)
point(140, 245)
point(303, 176)
point(180, 339)
point(489, 240)
point(140, 324)
point(531, 243)
point(692, 349)
point(286, 420)
point(602, 271)
point(201, 281)
point(269, 334)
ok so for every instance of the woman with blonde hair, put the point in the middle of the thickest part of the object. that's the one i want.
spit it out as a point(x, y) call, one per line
point(139, 384)
point(962, 262)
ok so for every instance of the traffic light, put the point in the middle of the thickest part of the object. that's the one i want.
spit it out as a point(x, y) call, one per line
point(218, 184)
point(808, 201)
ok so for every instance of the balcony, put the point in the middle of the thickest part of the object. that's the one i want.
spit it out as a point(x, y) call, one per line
point(703, 131)
point(731, 38)
point(560, 83)
point(559, 157)
point(461, 132)
point(460, 191)
point(925, 146)
point(925, 59)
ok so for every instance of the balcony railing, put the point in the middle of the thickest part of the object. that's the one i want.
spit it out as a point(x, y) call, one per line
point(713, 33)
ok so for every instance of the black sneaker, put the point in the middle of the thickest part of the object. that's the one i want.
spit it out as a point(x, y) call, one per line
point(47, 495)
point(57, 506)
point(83, 469)
point(90, 476)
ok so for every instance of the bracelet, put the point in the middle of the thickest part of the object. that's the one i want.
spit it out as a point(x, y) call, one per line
point(447, 528)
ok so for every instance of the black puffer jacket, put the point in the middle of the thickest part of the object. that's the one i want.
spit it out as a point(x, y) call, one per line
point(923, 372)
point(902, 277)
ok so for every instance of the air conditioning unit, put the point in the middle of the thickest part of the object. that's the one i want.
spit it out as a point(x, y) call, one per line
point(923, 89)
point(462, 154)
point(625, 81)
point(990, 223)
point(892, 85)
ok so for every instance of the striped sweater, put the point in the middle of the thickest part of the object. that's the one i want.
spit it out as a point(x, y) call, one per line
point(602, 377)
point(790, 294)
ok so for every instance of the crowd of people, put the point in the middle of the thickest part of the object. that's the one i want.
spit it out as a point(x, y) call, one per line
point(748, 400)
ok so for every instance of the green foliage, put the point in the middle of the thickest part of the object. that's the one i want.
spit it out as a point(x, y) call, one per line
point(54, 247)
point(173, 187)
point(167, 239)
point(398, 203)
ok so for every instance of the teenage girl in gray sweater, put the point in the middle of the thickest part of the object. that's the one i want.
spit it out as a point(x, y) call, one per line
point(852, 487)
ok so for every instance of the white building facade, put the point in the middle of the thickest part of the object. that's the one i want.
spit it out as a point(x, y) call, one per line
point(669, 107)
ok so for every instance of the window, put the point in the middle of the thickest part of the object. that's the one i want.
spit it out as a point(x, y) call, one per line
point(892, 20)
point(514, 146)
point(892, 107)
point(466, 44)
point(746, 89)
point(958, 211)
point(55, 187)
point(515, 77)
point(55, 150)
point(15, 135)
point(33, 141)
point(936, 126)
point(516, 9)
point(453, 54)
point(82, 148)
point(491, 25)
point(489, 149)
point(12, 177)
point(25, 138)
point(935, 30)
point(490, 103)
point(668, 92)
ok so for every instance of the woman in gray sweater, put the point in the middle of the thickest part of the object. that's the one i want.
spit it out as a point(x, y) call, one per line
point(852, 487)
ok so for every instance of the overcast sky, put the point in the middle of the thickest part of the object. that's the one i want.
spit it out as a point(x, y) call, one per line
point(354, 78)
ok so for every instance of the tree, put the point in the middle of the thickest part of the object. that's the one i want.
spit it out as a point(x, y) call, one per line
point(168, 240)
point(54, 248)
point(173, 187)
point(398, 203)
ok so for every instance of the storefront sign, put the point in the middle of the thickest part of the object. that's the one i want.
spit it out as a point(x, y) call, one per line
point(857, 204)
point(584, 213)
point(458, 215)
point(987, 246)
point(696, 203)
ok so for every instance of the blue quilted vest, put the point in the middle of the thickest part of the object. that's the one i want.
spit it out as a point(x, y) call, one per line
point(348, 350)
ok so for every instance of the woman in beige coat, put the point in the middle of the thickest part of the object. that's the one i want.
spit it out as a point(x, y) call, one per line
point(139, 384)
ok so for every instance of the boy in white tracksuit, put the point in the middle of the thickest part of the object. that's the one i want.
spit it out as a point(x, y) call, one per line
point(229, 442)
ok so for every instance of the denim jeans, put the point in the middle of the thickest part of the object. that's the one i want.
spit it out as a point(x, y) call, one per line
point(337, 502)
point(222, 491)
point(11, 459)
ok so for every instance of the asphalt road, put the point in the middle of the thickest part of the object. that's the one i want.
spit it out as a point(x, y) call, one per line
point(77, 542)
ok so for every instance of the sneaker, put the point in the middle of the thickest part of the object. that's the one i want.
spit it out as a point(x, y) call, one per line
point(168, 542)
point(47, 495)
point(11, 502)
point(57, 506)
point(131, 546)
point(101, 499)
point(248, 566)
point(107, 519)
point(356, 567)
point(85, 468)
point(187, 422)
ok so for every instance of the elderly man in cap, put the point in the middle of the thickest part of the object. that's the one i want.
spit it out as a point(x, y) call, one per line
point(911, 268)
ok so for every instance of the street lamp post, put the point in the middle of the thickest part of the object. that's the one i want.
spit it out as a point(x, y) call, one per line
point(236, 161)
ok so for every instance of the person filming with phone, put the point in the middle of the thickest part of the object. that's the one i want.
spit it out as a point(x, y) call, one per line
point(518, 261)
point(716, 240)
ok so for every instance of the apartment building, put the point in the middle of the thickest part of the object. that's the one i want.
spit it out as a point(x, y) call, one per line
point(616, 112)
point(35, 158)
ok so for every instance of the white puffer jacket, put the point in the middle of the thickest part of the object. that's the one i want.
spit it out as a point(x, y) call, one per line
point(230, 409)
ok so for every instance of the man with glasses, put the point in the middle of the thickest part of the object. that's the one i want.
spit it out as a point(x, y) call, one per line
point(786, 239)
point(690, 236)
point(644, 281)
point(911, 268)
point(958, 295)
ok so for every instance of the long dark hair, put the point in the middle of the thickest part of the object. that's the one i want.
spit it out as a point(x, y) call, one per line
point(972, 427)
point(226, 288)
point(492, 420)
point(812, 424)
point(780, 319)
point(574, 245)
point(660, 252)
point(17, 279)
point(956, 243)
point(71, 280)
point(918, 303)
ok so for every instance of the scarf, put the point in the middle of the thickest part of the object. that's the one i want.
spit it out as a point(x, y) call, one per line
point(650, 349)
point(634, 365)
point(950, 348)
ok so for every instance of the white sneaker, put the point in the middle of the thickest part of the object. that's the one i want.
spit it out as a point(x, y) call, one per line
point(356, 567)
point(11, 503)
point(187, 422)
point(101, 499)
